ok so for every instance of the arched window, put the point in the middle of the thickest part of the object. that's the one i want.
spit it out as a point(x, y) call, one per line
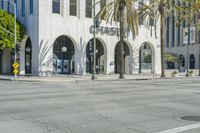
point(28, 57)
point(192, 61)
point(64, 55)
point(100, 58)
point(182, 61)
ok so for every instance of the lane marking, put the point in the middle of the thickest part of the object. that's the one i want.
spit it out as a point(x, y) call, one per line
point(181, 129)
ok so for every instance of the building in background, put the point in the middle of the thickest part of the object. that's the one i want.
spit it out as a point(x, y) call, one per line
point(177, 44)
point(60, 40)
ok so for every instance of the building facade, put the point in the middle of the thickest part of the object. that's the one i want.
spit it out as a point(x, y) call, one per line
point(60, 40)
point(177, 44)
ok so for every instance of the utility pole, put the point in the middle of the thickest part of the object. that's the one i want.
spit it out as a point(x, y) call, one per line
point(94, 76)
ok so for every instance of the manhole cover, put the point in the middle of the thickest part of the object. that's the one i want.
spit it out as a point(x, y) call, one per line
point(190, 118)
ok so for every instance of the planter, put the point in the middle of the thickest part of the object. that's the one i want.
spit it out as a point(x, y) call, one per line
point(174, 75)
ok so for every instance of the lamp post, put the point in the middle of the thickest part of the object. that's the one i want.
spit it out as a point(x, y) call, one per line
point(187, 73)
point(94, 76)
point(15, 27)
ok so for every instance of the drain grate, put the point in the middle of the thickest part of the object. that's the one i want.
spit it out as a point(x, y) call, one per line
point(191, 118)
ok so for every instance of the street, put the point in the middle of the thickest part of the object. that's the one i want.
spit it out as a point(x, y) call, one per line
point(120, 106)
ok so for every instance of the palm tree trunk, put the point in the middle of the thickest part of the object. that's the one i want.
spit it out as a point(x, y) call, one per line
point(140, 60)
point(199, 60)
point(121, 46)
point(162, 45)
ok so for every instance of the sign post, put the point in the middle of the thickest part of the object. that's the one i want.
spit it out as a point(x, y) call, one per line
point(15, 70)
point(188, 38)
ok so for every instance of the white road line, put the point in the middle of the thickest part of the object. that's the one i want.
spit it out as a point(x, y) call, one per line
point(181, 129)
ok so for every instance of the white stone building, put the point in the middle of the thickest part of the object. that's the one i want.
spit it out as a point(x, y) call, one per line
point(60, 37)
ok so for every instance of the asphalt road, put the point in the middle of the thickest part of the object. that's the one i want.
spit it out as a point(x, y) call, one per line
point(148, 106)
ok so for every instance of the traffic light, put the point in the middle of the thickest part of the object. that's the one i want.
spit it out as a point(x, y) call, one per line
point(17, 47)
point(97, 22)
point(90, 46)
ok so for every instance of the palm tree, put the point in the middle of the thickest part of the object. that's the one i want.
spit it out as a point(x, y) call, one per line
point(125, 12)
point(159, 10)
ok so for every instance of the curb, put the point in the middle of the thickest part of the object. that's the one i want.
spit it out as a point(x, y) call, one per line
point(76, 81)
point(5, 79)
point(100, 80)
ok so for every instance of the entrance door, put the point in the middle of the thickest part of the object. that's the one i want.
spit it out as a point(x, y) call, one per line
point(192, 62)
point(100, 58)
point(28, 57)
point(63, 55)
point(145, 58)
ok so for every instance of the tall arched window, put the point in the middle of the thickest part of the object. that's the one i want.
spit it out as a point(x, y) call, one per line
point(28, 57)
point(63, 56)
point(192, 61)
point(88, 10)
point(73, 8)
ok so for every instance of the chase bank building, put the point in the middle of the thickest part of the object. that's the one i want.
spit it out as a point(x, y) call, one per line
point(60, 40)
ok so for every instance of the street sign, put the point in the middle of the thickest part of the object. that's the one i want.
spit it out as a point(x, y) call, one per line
point(192, 35)
point(15, 71)
point(15, 65)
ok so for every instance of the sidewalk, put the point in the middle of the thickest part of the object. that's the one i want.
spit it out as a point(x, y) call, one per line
point(75, 78)
point(80, 78)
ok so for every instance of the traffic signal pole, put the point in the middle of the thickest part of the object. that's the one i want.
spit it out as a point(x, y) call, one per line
point(15, 58)
point(94, 76)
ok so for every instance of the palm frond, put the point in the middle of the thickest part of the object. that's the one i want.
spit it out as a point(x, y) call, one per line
point(111, 13)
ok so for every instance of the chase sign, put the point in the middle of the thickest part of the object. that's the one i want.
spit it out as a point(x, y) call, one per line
point(110, 31)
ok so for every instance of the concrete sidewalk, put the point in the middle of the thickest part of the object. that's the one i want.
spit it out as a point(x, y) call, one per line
point(79, 78)
point(75, 78)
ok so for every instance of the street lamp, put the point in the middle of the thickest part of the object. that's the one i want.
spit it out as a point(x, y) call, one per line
point(64, 49)
point(15, 35)
point(187, 73)
point(95, 24)
point(28, 49)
